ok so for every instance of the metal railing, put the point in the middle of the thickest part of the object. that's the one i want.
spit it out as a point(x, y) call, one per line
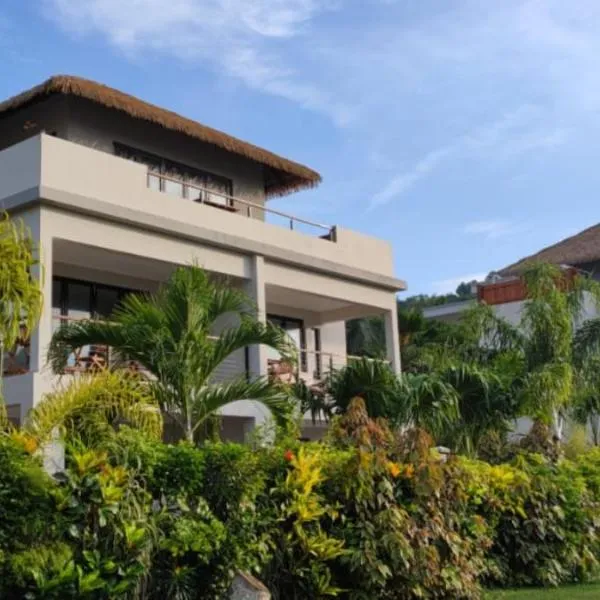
point(96, 356)
point(89, 358)
point(230, 203)
point(289, 373)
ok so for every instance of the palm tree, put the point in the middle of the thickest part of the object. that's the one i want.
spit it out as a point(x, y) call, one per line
point(485, 405)
point(423, 401)
point(171, 335)
point(586, 356)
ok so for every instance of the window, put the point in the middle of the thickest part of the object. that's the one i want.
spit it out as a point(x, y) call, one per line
point(318, 355)
point(82, 299)
point(106, 300)
point(295, 329)
point(72, 299)
point(180, 180)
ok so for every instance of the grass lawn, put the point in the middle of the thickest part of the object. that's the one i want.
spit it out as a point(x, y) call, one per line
point(576, 592)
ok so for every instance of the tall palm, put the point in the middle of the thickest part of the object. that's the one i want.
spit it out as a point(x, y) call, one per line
point(173, 335)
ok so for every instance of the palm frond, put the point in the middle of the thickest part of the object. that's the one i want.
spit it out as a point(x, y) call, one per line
point(248, 333)
point(174, 335)
point(90, 407)
point(212, 398)
point(427, 402)
point(586, 341)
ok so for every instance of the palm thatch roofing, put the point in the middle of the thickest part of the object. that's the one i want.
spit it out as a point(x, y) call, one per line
point(282, 176)
point(581, 248)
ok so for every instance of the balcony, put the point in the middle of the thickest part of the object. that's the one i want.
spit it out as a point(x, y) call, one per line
point(79, 180)
point(232, 204)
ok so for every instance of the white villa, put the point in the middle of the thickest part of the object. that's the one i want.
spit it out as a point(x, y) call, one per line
point(118, 192)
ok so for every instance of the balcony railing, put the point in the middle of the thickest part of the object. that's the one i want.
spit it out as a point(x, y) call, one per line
point(216, 199)
point(91, 358)
point(325, 362)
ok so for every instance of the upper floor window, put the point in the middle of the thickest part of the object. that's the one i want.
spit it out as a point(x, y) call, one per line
point(180, 180)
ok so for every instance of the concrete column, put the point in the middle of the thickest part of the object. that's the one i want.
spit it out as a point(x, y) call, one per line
point(41, 337)
point(255, 288)
point(392, 337)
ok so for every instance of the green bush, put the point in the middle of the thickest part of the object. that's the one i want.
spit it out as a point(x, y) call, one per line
point(361, 516)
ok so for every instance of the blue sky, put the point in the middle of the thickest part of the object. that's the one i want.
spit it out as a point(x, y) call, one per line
point(464, 132)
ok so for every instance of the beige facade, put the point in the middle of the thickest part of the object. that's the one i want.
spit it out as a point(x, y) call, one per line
point(97, 220)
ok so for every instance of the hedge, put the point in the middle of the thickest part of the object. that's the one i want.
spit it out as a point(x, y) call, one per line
point(143, 519)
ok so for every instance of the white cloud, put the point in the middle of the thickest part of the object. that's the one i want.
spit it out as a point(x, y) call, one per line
point(448, 286)
point(404, 181)
point(486, 81)
point(514, 133)
point(493, 229)
point(241, 39)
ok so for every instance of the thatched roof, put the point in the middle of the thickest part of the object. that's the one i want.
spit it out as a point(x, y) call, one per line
point(282, 176)
point(581, 248)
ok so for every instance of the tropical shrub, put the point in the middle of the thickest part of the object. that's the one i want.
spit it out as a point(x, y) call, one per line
point(30, 530)
point(367, 514)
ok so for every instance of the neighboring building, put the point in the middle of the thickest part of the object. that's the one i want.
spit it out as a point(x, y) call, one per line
point(448, 313)
point(505, 291)
point(118, 192)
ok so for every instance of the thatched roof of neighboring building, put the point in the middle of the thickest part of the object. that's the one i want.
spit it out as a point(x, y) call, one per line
point(581, 248)
point(282, 175)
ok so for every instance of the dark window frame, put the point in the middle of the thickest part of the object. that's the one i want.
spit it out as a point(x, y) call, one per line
point(318, 353)
point(166, 166)
point(300, 324)
point(93, 291)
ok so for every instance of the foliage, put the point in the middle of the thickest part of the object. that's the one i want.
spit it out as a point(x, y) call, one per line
point(462, 292)
point(366, 337)
point(302, 552)
point(314, 400)
point(372, 380)
point(367, 514)
point(172, 335)
point(20, 293)
point(545, 368)
point(92, 407)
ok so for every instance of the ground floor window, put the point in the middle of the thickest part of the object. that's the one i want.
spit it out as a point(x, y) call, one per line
point(295, 329)
point(74, 299)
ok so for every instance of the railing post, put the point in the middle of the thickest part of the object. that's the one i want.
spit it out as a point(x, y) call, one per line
point(291, 224)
